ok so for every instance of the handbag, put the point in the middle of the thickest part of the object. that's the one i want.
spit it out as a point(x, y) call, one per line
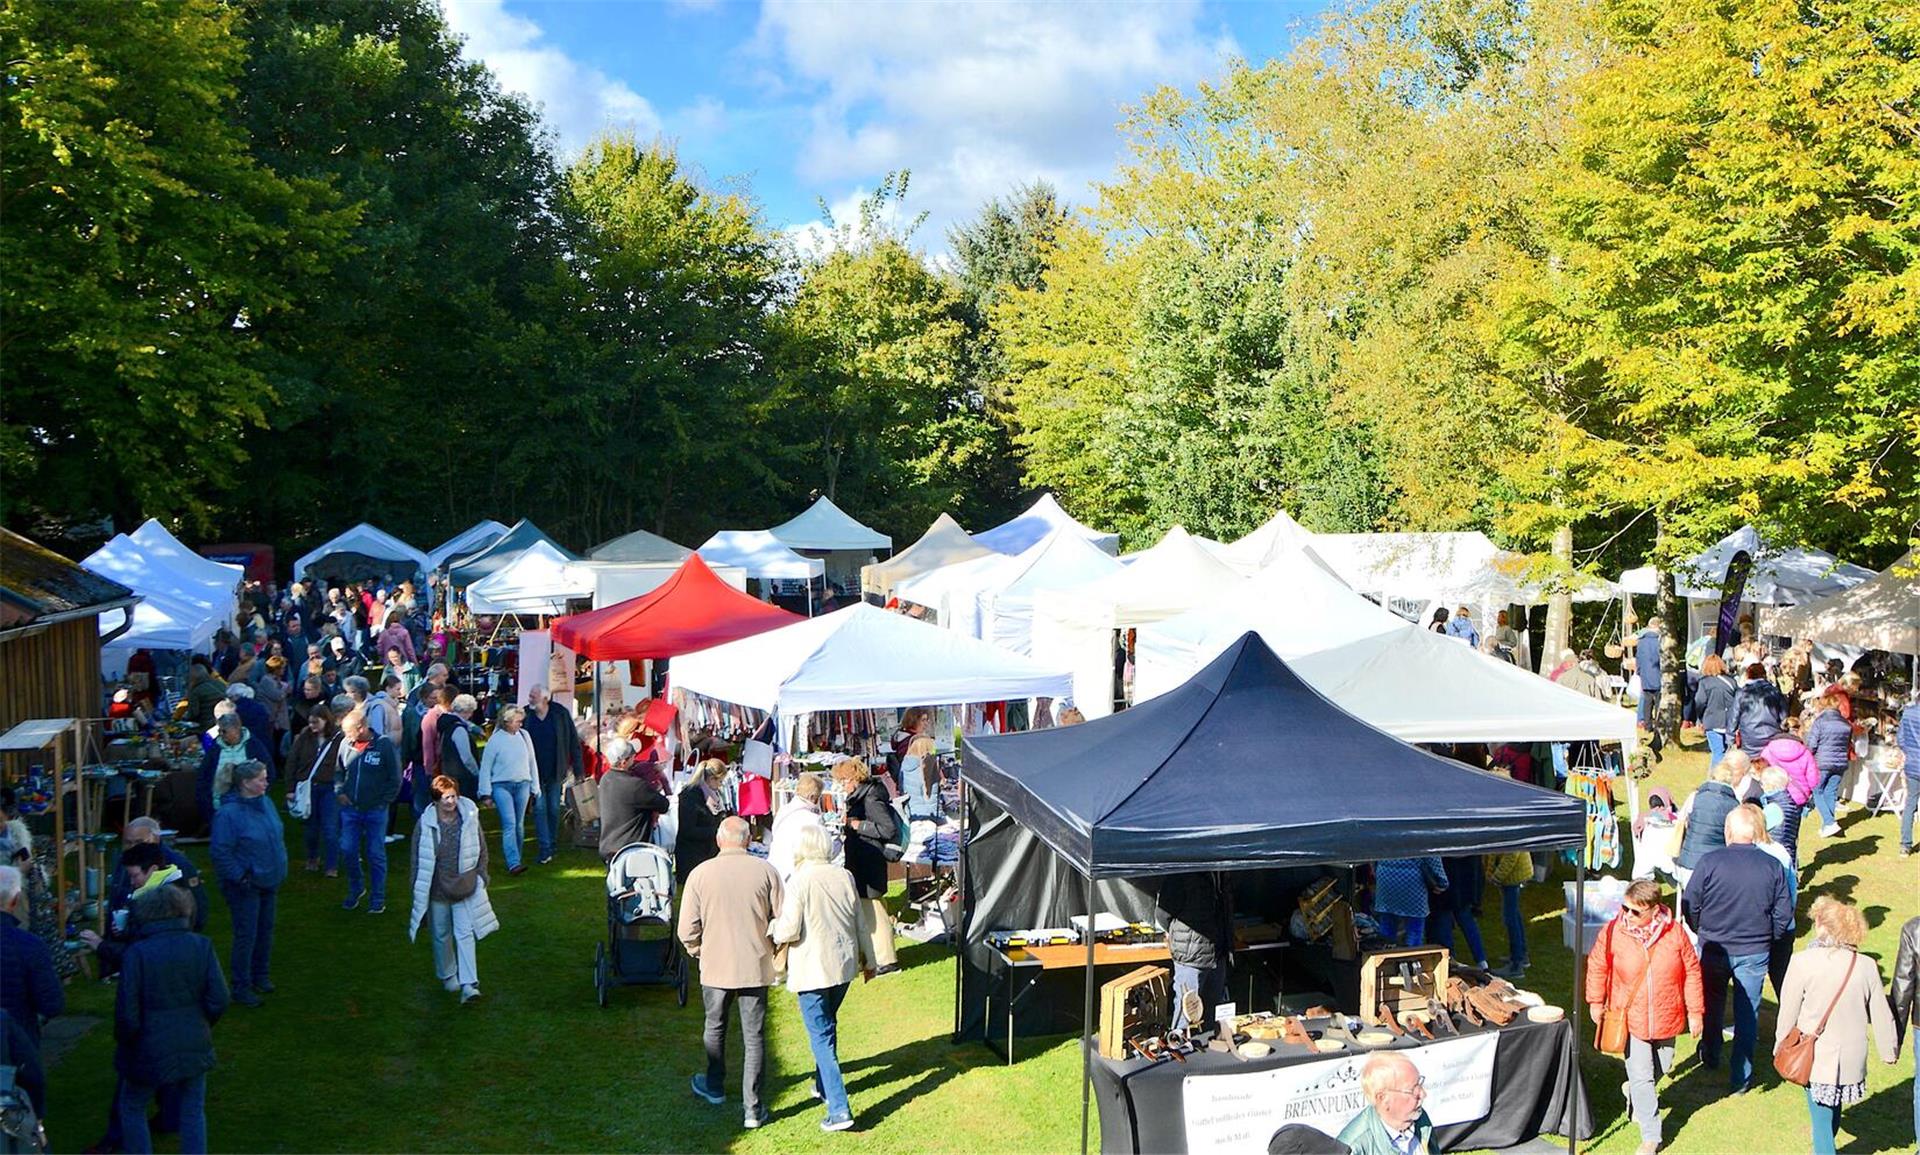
point(301, 804)
point(1610, 1034)
point(1793, 1058)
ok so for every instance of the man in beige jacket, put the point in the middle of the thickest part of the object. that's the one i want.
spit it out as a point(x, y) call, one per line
point(726, 916)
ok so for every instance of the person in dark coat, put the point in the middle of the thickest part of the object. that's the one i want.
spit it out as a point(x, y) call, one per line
point(254, 714)
point(1198, 909)
point(171, 993)
point(137, 866)
point(1830, 737)
point(30, 988)
point(631, 800)
point(872, 825)
point(703, 806)
point(556, 756)
point(250, 857)
point(1713, 705)
point(234, 744)
point(1757, 711)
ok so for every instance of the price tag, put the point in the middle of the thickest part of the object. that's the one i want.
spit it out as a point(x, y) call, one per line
point(1223, 1013)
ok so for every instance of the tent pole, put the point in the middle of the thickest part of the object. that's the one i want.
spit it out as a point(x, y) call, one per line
point(959, 932)
point(1579, 997)
point(1087, 1024)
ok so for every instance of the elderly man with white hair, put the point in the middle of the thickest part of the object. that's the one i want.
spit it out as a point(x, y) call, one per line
point(556, 752)
point(631, 798)
point(30, 989)
point(727, 913)
point(1739, 903)
point(1395, 1120)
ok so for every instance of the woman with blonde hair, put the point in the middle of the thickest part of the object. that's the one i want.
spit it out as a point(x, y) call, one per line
point(1834, 992)
point(704, 804)
point(872, 826)
point(819, 922)
point(510, 776)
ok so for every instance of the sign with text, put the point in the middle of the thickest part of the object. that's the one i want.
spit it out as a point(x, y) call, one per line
point(1240, 1112)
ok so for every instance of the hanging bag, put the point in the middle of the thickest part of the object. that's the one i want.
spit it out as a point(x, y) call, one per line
point(1610, 1034)
point(1793, 1058)
point(301, 805)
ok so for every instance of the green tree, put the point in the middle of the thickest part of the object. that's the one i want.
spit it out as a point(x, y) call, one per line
point(144, 256)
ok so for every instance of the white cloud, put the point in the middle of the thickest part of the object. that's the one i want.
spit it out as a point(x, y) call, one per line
point(976, 98)
point(576, 100)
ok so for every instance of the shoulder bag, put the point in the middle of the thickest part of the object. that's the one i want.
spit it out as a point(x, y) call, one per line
point(1793, 1058)
point(301, 805)
point(1610, 1034)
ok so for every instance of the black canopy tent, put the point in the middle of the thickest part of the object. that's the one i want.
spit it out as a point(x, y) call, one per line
point(1247, 767)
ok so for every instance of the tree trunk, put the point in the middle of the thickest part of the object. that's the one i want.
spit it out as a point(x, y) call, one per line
point(1559, 606)
point(1673, 672)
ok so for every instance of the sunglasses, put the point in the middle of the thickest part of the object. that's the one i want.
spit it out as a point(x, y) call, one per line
point(1635, 911)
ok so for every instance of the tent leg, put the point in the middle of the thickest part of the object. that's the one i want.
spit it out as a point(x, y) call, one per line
point(959, 932)
point(1579, 999)
point(1087, 1025)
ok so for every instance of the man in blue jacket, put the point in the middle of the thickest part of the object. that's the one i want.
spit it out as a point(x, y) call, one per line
point(1739, 903)
point(30, 988)
point(1907, 738)
point(1646, 663)
point(171, 993)
point(366, 784)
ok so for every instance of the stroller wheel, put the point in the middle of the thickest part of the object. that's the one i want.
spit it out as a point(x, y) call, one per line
point(680, 992)
point(601, 983)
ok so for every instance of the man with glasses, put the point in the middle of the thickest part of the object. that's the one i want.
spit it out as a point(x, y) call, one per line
point(1396, 1123)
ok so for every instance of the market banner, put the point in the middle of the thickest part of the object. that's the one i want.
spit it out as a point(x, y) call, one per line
point(1239, 1113)
point(1731, 591)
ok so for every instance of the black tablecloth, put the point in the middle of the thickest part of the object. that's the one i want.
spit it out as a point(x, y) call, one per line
point(1141, 1110)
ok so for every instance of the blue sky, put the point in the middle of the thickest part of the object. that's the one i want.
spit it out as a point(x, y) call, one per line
point(811, 101)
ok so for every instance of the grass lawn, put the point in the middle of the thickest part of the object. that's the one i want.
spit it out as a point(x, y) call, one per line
point(360, 1049)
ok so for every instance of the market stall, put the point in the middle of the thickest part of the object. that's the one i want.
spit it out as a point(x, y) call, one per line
point(1776, 576)
point(1229, 773)
point(693, 610)
point(471, 540)
point(154, 538)
point(466, 569)
point(1040, 519)
point(539, 580)
point(826, 531)
point(1005, 598)
point(1880, 613)
point(763, 558)
point(363, 552)
point(640, 546)
point(176, 611)
point(1075, 627)
point(1278, 535)
point(943, 544)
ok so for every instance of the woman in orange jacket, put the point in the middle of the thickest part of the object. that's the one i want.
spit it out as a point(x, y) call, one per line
point(1642, 962)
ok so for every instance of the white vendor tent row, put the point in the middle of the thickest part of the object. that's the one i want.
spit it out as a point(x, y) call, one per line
point(860, 658)
point(951, 591)
point(154, 538)
point(481, 535)
point(1458, 568)
point(944, 544)
point(760, 554)
point(1881, 613)
point(640, 546)
point(825, 530)
point(368, 541)
point(539, 580)
point(1277, 537)
point(177, 611)
point(1778, 577)
point(1005, 602)
point(1042, 518)
point(1074, 627)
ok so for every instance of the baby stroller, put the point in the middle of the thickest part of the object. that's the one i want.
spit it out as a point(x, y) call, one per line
point(640, 946)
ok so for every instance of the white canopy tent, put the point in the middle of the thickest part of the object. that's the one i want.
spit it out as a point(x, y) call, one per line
point(943, 544)
point(162, 623)
point(540, 580)
point(760, 554)
point(1293, 603)
point(1881, 613)
point(200, 606)
point(860, 658)
point(1779, 576)
point(479, 537)
point(368, 541)
point(1279, 535)
point(1005, 602)
point(825, 526)
point(1042, 518)
point(154, 538)
point(1073, 627)
point(950, 590)
point(640, 546)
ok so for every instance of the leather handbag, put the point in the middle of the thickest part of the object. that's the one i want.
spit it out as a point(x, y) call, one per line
point(1793, 1058)
point(1610, 1034)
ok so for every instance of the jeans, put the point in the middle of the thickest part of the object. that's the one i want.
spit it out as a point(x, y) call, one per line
point(453, 942)
point(753, 1034)
point(1826, 795)
point(1210, 982)
point(1906, 811)
point(1826, 1123)
point(1716, 747)
point(1646, 1059)
point(546, 817)
point(323, 827)
point(252, 908)
point(1747, 972)
point(820, 1011)
point(1649, 699)
point(133, 1100)
point(166, 1118)
point(1391, 925)
point(510, 799)
point(1441, 923)
point(365, 830)
point(1516, 925)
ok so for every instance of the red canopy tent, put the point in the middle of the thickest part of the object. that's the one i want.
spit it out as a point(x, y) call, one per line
point(693, 610)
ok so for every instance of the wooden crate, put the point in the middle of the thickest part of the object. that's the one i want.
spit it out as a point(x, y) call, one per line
point(1379, 969)
point(1137, 1003)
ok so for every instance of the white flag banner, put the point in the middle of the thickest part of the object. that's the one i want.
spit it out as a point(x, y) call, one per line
point(1238, 1113)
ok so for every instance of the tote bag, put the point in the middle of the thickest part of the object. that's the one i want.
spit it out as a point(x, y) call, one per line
point(301, 805)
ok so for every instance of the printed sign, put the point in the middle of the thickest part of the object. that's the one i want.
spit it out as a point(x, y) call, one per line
point(1240, 1112)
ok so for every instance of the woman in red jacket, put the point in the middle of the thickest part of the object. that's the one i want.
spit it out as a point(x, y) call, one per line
point(1643, 962)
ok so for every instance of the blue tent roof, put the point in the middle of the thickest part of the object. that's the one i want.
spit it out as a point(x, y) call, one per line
point(465, 570)
point(1246, 766)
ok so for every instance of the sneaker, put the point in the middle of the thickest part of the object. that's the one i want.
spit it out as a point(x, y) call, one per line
point(837, 1123)
point(545, 858)
point(1830, 830)
point(700, 1089)
point(520, 869)
point(469, 993)
point(890, 968)
point(351, 901)
point(450, 984)
point(756, 1120)
point(1905, 851)
point(377, 908)
point(392, 838)
point(264, 986)
point(245, 997)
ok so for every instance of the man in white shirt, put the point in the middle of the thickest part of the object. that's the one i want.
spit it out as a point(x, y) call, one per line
point(804, 810)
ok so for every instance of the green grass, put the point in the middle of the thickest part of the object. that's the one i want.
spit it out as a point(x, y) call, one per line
point(360, 1050)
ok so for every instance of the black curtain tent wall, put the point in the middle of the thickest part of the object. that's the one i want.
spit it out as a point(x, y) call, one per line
point(1243, 767)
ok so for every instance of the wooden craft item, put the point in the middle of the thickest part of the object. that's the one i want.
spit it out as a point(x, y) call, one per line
point(1137, 1003)
point(1400, 980)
